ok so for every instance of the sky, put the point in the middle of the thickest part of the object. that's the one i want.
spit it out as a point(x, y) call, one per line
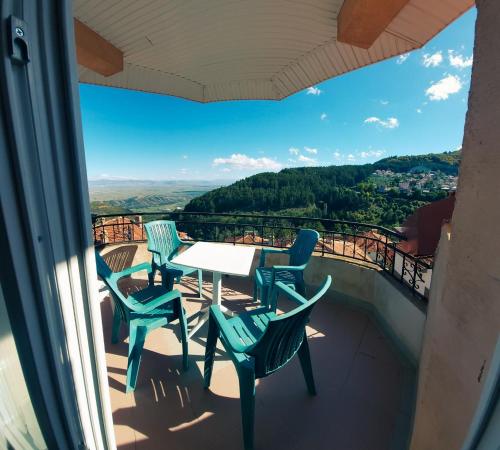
point(411, 104)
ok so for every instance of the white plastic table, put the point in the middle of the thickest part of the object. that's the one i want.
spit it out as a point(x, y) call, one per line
point(218, 259)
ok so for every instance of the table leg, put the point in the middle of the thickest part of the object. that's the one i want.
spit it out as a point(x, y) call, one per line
point(216, 300)
point(216, 294)
point(217, 288)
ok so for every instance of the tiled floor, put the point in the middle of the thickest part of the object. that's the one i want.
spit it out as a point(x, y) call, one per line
point(364, 401)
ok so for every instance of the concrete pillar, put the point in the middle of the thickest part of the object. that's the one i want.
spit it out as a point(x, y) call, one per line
point(464, 307)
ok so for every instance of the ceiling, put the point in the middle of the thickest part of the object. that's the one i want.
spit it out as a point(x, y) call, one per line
point(246, 49)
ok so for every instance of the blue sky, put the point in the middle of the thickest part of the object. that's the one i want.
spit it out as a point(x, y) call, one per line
point(406, 105)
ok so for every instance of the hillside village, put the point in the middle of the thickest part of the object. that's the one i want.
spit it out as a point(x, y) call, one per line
point(418, 179)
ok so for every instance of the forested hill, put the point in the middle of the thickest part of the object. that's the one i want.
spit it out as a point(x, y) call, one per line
point(446, 162)
point(347, 191)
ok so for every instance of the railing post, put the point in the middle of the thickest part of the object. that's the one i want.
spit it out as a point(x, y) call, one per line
point(403, 267)
point(415, 274)
point(385, 253)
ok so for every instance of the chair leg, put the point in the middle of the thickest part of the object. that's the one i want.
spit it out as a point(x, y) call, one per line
point(255, 289)
point(184, 338)
point(210, 347)
point(200, 283)
point(300, 287)
point(151, 275)
point(273, 299)
point(305, 362)
point(264, 295)
point(137, 337)
point(246, 377)
point(167, 279)
point(117, 320)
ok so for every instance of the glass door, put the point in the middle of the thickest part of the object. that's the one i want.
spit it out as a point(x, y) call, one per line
point(19, 427)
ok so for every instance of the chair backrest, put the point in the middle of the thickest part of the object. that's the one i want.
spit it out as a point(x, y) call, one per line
point(302, 248)
point(111, 281)
point(284, 335)
point(162, 238)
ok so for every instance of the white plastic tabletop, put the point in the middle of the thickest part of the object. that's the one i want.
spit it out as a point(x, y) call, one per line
point(224, 258)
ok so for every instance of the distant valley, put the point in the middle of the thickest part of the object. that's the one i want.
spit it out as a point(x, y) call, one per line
point(115, 196)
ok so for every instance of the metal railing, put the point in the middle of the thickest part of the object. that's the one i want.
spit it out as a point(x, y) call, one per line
point(372, 244)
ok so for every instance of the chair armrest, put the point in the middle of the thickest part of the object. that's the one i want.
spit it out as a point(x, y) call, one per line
point(264, 251)
point(161, 300)
point(133, 269)
point(157, 252)
point(287, 268)
point(227, 332)
point(178, 251)
point(290, 268)
point(290, 293)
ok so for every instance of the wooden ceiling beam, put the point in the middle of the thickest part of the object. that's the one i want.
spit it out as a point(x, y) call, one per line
point(361, 22)
point(96, 53)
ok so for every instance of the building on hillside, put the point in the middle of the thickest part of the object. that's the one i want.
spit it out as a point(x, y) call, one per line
point(119, 229)
point(423, 228)
point(248, 239)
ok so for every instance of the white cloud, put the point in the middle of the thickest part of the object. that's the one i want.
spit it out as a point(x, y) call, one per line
point(313, 90)
point(243, 162)
point(306, 159)
point(312, 151)
point(184, 156)
point(391, 122)
point(459, 61)
point(293, 151)
point(432, 60)
point(384, 102)
point(402, 58)
point(337, 155)
point(351, 157)
point(323, 116)
point(225, 169)
point(372, 154)
point(442, 89)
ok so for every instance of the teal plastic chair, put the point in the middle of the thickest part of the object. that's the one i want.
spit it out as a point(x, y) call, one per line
point(291, 275)
point(164, 243)
point(143, 311)
point(259, 343)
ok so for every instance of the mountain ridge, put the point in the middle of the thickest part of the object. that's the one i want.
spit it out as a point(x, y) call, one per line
point(344, 192)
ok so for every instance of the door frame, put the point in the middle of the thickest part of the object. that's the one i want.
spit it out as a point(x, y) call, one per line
point(48, 264)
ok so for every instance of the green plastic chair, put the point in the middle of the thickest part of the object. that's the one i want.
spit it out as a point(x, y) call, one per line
point(259, 343)
point(292, 275)
point(164, 243)
point(143, 311)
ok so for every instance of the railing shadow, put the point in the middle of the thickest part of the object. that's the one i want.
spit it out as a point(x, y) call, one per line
point(121, 257)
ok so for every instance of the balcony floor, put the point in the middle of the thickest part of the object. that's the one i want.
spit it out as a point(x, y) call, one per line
point(365, 389)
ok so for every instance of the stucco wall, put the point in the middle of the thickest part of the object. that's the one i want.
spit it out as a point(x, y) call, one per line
point(392, 303)
point(464, 314)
